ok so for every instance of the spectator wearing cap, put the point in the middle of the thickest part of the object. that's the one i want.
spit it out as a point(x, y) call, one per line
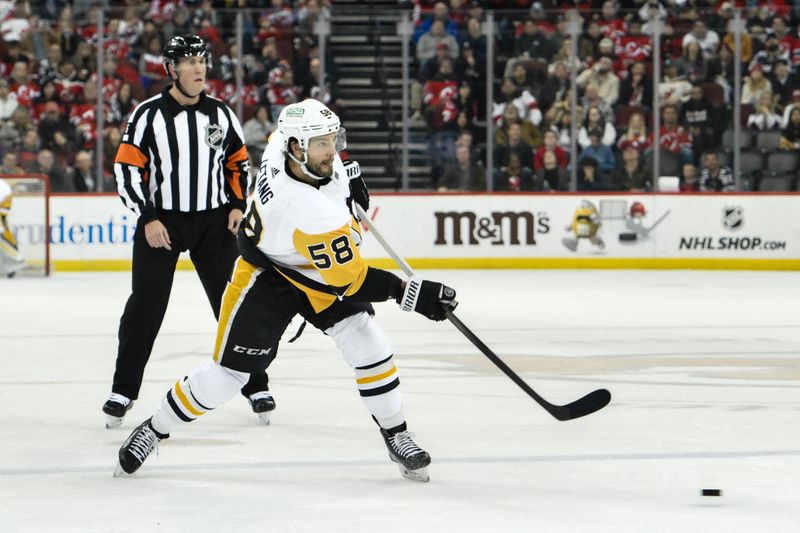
point(430, 67)
point(601, 75)
point(598, 151)
point(755, 84)
point(533, 42)
point(51, 123)
point(426, 46)
point(708, 39)
point(784, 83)
point(468, 69)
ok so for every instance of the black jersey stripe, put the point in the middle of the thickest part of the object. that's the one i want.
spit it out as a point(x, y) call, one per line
point(193, 156)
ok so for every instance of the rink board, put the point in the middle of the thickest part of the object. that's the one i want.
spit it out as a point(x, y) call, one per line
point(94, 232)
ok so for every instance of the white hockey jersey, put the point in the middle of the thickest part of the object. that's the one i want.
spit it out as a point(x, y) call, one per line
point(309, 233)
point(5, 197)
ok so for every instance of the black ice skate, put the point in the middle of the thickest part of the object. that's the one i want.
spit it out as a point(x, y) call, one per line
point(410, 458)
point(115, 408)
point(262, 404)
point(140, 444)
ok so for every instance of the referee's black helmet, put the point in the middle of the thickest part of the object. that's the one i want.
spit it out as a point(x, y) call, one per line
point(185, 46)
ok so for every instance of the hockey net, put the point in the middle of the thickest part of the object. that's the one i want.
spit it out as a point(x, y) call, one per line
point(29, 220)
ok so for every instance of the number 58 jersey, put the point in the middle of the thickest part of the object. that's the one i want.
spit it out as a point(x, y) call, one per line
point(305, 232)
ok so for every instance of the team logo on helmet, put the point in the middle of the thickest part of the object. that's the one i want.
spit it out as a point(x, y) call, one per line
point(214, 136)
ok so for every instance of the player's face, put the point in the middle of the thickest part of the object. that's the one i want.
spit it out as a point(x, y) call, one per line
point(321, 151)
point(192, 73)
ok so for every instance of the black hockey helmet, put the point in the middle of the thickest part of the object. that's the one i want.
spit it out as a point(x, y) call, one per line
point(184, 46)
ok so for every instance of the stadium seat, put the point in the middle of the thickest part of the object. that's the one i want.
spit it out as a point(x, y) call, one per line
point(782, 161)
point(669, 163)
point(776, 184)
point(768, 140)
point(746, 136)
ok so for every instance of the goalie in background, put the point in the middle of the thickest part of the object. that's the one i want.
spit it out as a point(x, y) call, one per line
point(11, 260)
point(585, 225)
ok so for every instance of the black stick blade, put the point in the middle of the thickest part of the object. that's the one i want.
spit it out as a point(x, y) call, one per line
point(592, 402)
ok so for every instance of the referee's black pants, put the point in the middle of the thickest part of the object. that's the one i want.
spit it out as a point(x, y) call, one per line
point(212, 248)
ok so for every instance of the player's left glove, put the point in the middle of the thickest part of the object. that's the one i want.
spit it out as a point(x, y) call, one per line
point(358, 189)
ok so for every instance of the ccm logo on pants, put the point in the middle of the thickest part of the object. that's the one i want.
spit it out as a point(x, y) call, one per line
point(251, 351)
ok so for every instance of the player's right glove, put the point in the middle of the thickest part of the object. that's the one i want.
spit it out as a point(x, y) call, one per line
point(428, 298)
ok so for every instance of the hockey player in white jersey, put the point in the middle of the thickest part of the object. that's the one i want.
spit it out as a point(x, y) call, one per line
point(300, 255)
point(11, 260)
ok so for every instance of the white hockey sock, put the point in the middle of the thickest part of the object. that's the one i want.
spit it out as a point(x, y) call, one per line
point(379, 387)
point(205, 389)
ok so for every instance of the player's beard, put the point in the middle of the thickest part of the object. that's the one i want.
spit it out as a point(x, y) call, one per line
point(317, 170)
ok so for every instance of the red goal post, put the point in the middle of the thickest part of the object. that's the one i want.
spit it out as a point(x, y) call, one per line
point(29, 220)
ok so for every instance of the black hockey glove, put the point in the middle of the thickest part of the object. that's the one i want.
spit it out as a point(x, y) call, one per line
point(358, 189)
point(429, 298)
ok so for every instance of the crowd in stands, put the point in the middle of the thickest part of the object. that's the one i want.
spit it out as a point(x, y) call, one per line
point(49, 82)
point(531, 108)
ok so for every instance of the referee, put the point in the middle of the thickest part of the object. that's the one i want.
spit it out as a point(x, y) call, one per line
point(182, 167)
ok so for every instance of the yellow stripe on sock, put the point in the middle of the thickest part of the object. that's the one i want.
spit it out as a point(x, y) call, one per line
point(185, 401)
point(373, 379)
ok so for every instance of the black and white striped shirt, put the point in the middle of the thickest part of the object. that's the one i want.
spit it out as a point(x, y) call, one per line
point(181, 158)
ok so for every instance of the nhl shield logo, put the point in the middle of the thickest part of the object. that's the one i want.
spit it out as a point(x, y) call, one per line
point(733, 217)
point(214, 136)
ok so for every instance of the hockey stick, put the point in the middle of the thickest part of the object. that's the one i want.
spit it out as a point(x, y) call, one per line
point(594, 401)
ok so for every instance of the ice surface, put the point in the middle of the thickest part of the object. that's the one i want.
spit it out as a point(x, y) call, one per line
point(704, 368)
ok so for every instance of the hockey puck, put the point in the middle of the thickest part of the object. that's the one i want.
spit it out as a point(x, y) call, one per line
point(627, 237)
point(711, 492)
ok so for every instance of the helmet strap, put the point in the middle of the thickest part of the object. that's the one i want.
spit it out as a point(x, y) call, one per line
point(178, 85)
point(303, 166)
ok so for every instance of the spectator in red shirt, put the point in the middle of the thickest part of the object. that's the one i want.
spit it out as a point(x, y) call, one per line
point(550, 144)
point(674, 137)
